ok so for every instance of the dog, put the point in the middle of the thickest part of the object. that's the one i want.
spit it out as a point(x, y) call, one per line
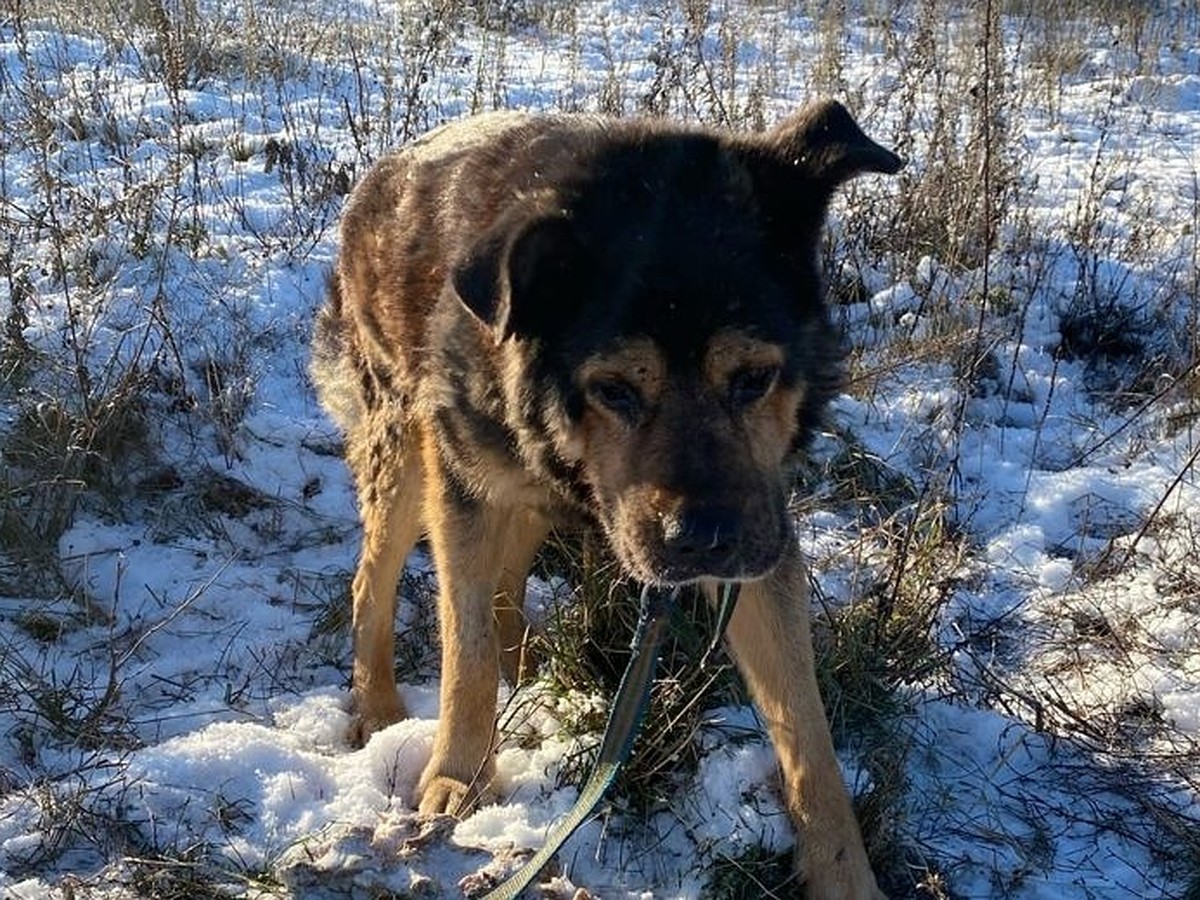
point(535, 319)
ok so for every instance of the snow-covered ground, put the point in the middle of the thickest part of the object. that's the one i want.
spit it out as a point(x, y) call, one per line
point(186, 680)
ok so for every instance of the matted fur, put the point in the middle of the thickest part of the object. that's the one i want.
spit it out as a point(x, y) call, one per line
point(535, 319)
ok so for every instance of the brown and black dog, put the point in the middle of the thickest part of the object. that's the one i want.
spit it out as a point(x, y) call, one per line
point(540, 318)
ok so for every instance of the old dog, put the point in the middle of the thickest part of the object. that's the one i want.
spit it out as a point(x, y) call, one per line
point(540, 318)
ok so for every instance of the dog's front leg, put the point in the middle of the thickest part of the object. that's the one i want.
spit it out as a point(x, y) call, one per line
point(770, 639)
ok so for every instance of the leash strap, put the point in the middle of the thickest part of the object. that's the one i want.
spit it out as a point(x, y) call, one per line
point(629, 707)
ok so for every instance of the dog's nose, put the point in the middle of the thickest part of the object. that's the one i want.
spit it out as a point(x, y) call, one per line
point(701, 540)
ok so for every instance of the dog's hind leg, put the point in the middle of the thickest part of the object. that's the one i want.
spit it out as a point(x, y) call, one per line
point(771, 642)
point(386, 462)
point(525, 536)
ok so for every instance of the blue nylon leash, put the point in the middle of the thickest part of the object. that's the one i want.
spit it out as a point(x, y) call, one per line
point(629, 708)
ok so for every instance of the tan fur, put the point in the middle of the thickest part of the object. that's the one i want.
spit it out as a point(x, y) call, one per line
point(386, 462)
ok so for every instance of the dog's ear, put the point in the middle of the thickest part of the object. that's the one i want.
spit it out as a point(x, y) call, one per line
point(515, 279)
point(797, 165)
point(824, 144)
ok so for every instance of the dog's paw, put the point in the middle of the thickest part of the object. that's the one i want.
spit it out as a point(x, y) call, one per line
point(372, 715)
point(443, 795)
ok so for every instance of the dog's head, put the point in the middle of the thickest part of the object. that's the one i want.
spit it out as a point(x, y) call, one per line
point(658, 310)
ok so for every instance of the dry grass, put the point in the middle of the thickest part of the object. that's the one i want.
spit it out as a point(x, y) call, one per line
point(586, 645)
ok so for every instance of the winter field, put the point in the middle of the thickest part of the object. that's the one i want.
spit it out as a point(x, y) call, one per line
point(1002, 515)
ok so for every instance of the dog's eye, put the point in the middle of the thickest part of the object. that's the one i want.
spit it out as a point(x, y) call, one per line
point(749, 385)
point(618, 396)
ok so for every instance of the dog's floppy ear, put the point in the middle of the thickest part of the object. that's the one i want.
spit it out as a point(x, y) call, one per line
point(514, 279)
point(797, 165)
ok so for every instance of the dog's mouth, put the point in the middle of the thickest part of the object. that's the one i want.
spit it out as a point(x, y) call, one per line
point(665, 557)
point(679, 576)
point(673, 578)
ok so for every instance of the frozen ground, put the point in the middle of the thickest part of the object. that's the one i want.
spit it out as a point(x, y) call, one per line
point(191, 686)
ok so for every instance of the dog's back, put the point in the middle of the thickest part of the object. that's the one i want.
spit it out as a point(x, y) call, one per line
point(405, 223)
point(389, 229)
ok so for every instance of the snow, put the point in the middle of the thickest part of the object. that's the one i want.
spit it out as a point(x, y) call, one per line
point(203, 604)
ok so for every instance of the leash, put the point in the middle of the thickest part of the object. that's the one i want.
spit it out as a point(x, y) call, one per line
point(629, 708)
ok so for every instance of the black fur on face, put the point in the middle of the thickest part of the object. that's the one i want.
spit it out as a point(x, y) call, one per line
point(673, 242)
